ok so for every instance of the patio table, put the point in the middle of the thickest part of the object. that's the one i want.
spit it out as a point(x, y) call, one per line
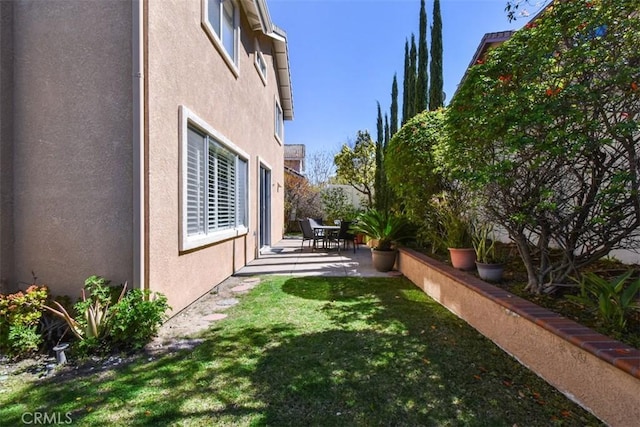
point(330, 233)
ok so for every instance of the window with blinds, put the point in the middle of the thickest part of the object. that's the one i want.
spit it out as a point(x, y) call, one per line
point(215, 187)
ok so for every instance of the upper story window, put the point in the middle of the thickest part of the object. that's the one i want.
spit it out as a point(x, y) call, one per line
point(279, 123)
point(221, 21)
point(260, 63)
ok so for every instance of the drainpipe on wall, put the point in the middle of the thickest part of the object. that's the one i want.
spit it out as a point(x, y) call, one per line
point(137, 60)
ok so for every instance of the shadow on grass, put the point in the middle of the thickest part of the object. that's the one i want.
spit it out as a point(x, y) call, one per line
point(389, 356)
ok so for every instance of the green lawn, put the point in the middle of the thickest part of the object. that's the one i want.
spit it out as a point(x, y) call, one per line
point(316, 351)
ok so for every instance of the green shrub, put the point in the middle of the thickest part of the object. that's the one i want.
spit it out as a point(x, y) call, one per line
point(24, 339)
point(111, 318)
point(136, 318)
point(337, 205)
point(20, 314)
point(614, 300)
point(412, 171)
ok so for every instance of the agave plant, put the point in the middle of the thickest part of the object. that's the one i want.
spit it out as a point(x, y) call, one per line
point(385, 228)
point(95, 310)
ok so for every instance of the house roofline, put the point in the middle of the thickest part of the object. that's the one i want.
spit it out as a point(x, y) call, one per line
point(488, 40)
point(294, 172)
point(260, 20)
point(492, 39)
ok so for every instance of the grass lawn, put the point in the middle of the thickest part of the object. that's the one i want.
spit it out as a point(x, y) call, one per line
point(317, 351)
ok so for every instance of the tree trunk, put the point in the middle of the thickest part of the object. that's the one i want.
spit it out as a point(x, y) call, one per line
point(533, 284)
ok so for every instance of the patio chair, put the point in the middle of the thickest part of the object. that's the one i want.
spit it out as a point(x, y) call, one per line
point(308, 233)
point(315, 222)
point(346, 236)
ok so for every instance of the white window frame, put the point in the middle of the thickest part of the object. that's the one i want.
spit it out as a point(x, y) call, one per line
point(231, 58)
point(278, 122)
point(189, 120)
point(260, 62)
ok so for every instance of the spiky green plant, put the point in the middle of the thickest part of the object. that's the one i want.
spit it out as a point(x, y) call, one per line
point(387, 229)
point(614, 299)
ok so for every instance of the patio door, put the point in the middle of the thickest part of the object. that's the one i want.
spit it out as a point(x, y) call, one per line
point(265, 208)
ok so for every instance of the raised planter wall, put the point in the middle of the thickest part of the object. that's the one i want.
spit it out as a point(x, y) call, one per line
point(600, 374)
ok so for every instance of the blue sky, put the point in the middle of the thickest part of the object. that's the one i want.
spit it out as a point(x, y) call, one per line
point(343, 54)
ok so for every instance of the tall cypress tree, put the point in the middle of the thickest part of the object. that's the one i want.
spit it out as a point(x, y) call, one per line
point(377, 184)
point(436, 95)
point(385, 190)
point(422, 80)
point(387, 134)
point(394, 107)
point(411, 80)
point(405, 83)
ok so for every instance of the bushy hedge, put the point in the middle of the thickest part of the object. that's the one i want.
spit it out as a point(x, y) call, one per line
point(412, 172)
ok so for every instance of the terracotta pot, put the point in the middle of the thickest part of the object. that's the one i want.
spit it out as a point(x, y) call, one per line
point(463, 258)
point(490, 272)
point(383, 260)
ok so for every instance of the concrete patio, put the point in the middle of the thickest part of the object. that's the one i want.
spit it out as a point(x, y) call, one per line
point(290, 257)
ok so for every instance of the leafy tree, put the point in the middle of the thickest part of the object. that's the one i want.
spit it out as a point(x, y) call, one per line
point(557, 160)
point(411, 169)
point(301, 200)
point(394, 106)
point(436, 96)
point(336, 204)
point(320, 168)
point(422, 79)
point(357, 166)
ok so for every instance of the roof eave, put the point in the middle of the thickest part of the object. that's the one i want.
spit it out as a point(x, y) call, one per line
point(488, 40)
point(260, 20)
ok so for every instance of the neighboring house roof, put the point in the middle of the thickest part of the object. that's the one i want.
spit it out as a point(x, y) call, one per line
point(489, 40)
point(294, 155)
point(294, 151)
point(293, 172)
point(260, 20)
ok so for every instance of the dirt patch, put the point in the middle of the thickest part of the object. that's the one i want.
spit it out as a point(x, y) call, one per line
point(179, 331)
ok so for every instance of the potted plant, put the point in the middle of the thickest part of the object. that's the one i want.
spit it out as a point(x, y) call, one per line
point(457, 233)
point(489, 261)
point(386, 230)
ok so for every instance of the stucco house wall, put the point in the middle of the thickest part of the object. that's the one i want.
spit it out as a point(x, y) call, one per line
point(91, 160)
point(71, 142)
point(6, 145)
point(186, 70)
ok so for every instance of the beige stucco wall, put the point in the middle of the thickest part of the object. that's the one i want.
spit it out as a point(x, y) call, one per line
point(608, 392)
point(72, 142)
point(6, 147)
point(185, 69)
